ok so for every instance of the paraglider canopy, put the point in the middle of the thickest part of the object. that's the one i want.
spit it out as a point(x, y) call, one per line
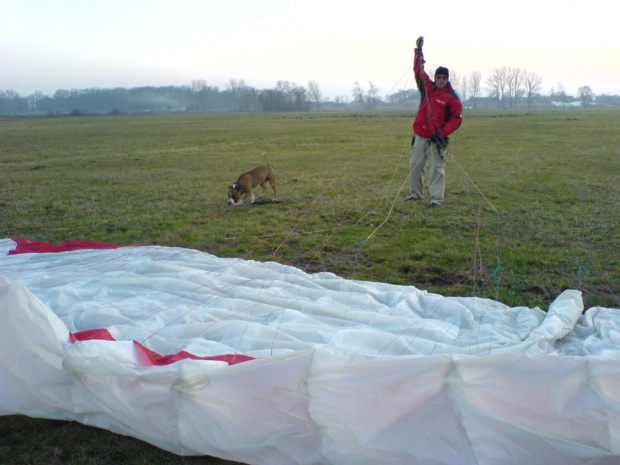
point(263, 363)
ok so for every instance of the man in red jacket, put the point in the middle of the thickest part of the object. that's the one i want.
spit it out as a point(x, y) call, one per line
point(439, 115)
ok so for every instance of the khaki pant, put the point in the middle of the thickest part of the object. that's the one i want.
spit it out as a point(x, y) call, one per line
point(422, 151)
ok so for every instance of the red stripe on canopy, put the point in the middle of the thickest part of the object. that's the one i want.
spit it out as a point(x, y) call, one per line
point(151, 358)
point(27, 246)
point(101, 334)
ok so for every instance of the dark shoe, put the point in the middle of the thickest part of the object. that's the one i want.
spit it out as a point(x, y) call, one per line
point(411, 197)
point(433, 205)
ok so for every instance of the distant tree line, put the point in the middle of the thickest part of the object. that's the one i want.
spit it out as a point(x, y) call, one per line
point(506, 88)
point(509, 87)
point(199, 97)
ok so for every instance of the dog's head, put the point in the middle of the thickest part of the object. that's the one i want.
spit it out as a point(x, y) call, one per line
point(235, 191)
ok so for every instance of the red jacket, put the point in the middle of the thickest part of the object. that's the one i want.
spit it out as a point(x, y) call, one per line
point(440, 108)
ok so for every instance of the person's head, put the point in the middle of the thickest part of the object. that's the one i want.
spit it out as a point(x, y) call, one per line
point(442, 76)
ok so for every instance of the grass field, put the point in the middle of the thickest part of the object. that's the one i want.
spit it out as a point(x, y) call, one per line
point(532, 208)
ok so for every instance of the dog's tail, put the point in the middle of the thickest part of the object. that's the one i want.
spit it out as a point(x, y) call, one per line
point(267, 160)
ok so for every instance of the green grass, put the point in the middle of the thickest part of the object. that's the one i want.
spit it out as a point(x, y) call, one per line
point(531, 204)
point(26, 440)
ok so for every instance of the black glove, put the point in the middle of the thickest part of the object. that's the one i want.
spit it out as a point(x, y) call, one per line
point(441, 141)
point(419, 43)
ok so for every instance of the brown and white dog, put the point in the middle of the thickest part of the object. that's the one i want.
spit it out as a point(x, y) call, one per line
point(243, 189)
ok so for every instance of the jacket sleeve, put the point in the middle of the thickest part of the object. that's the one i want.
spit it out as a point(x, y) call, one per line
point(421, 78)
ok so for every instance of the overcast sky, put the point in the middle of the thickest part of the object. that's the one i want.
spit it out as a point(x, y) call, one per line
point(47, 45)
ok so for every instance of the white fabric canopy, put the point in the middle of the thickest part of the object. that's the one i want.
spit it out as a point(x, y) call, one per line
point(265, 364)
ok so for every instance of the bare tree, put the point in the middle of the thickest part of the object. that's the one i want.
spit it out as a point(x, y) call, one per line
point(515, 85)
point(586, 96)
point(34, 100)
point(285, 86)
point(198, 85)
point(457, 83)
point(474, 85)
point(235, 87)
point(532, 83)
point(358, 94)
point(403, 97)
point(498, 84)
point(460, 85)
point(372, 97)
point(247, 97)
point(286, 96)
point(455, 80)
point(315, 93)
